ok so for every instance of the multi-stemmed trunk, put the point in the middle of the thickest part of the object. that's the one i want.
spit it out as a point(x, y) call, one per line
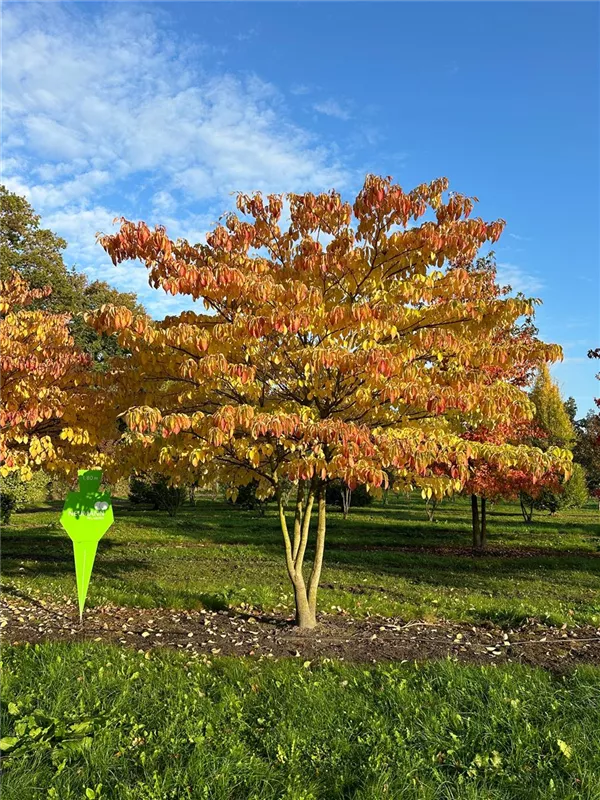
point(346, 493)
point(479, 523)
point(526, 506)
point(295, 548)
point(430, 507)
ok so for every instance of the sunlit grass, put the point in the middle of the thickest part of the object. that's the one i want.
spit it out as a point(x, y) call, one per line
point(168, 727)
point(216, 556)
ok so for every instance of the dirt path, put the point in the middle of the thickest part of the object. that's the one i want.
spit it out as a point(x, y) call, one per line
point(337, 636)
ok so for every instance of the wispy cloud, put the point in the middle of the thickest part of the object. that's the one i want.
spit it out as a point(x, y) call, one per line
point(331, 108)
point(519, 238)
point(245, 36)
point(519, 279)
point(104, 115)
point(300, 89)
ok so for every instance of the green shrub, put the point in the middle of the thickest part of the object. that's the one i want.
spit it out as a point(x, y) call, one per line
point(17, 493)
point(140, 490)
point(247, 499)
point(59, 486)
point(156, 490)
point(574, 493)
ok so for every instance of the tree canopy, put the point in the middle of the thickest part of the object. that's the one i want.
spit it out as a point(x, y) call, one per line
point(348, 342)
point(36, 254)
point(551, 415)
point(43, 380)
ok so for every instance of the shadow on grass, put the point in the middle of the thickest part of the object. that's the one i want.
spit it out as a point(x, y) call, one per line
point(53, 556)
point(218, 523)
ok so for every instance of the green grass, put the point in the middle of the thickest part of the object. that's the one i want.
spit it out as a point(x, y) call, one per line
point(216, 556)
point(101, 722)
point(170, 728)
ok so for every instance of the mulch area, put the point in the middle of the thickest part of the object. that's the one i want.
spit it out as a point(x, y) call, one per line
point(337, 636)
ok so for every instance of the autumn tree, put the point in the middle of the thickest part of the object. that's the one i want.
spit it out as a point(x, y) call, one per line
point(551, 416)
point(553, 427)
point(346, 344)
point(39, 372)
point(35, 254)
point(489, 481)
point(587, 448)
point(595, 354)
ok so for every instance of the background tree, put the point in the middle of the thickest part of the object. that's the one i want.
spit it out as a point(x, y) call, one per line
point(595, 354)
point(552, 420)
point(587, 450)
point(339, 494)
point(46, 406)
point(36, 254)
point(337, 348)
point(489, 481)
point(571, 409)
point(552, 415)
point(588, 443)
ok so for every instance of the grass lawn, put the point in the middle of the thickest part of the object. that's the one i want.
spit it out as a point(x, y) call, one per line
point(102, 722)
point(168, 728)
point(216, 556)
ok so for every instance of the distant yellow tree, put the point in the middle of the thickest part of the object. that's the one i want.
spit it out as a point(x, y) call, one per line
point(551, 416)
point(554, 429)
point(342, 346)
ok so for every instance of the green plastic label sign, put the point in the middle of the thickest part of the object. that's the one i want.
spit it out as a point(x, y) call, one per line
point(86, 516)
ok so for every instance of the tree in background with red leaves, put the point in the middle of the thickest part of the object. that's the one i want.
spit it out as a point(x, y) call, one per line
point(493, 481)
point(592, 426)
point(44, 393)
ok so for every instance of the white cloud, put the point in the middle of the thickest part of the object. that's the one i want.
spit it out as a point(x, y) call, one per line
point(520, 238)
point(134, 104)
point(80, 229)
point(246, 35)
point(105, 109)
point(163, 202)
point(299, 89)
point(516, 277)
point(331, 108)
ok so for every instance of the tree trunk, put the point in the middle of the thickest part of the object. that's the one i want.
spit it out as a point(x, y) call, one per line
point(305, 597)
point(483, 538)
point(475, 521)
point(315, 575)
point(526, 507)
point(346, 493)
point(431, 508)
point(304, 616)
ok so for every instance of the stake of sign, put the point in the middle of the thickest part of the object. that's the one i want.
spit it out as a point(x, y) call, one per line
point(86, 516)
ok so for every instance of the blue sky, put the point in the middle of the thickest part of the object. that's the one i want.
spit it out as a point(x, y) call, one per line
point(160, 110)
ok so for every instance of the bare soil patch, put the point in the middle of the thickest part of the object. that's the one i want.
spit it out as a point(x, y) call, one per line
point(337, 636)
